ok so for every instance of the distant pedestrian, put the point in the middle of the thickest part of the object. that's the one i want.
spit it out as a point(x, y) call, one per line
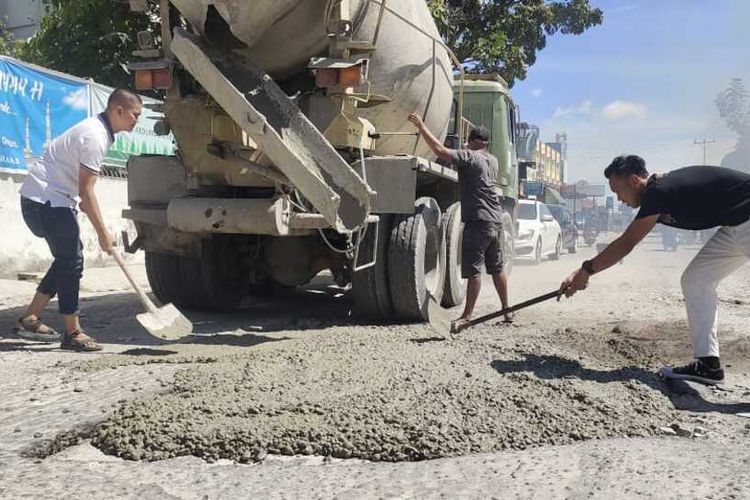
point(693, 198)
point(68, 171)
point(481, 213)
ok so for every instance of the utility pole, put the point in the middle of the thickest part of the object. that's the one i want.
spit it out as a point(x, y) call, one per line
point(705, 144)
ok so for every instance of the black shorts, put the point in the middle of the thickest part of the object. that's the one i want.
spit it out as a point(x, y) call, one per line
point(482, 244)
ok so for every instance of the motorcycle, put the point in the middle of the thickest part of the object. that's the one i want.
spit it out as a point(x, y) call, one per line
point(589, 236)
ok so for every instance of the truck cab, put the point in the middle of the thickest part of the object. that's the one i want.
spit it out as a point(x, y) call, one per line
point(487, 101)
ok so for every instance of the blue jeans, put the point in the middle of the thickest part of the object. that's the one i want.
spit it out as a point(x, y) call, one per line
point(59, 227)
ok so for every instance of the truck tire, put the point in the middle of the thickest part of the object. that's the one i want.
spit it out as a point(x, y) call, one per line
point(574, 247)
point(163, 273)
point(509, 243)
point(558, 249)
point(218, 281)
point(416, 260)
point(370, 287)
point(454, 290)
point(538, 252)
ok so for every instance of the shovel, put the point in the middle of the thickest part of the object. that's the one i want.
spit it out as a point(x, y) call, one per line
point(166, 322)
point(441, 323)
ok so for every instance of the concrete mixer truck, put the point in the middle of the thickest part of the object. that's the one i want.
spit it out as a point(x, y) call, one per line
point(294, 154)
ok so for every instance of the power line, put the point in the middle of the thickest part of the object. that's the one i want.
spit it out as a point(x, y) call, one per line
point(705, 144)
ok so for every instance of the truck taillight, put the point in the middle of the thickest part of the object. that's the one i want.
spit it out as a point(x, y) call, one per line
point(162, 78)
point(157, 78)
point(351, 77)
point(327, 77)
point(347, 77)
point(144, 80)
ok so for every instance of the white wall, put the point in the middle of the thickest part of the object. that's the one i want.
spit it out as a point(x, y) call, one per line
point(20, 250)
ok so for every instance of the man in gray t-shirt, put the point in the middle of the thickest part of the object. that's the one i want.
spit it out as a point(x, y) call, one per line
point(481, 213)
point(477, 176)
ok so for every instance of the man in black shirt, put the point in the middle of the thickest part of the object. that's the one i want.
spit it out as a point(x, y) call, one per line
point(693, 198)
point(481, 213)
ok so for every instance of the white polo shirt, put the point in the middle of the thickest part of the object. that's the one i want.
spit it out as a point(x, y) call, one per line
point(53, 178)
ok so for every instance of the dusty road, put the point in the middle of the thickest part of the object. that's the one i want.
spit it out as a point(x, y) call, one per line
point(290, 397)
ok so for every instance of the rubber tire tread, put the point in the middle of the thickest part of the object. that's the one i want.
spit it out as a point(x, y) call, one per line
point(509, 256)
point(163, 273)
point(204, 289)
point(370, 287)
point(406, 273)
point(454, 289)
point(574, 247)
point(558, 245)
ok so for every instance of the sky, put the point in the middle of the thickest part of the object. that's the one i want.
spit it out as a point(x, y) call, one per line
point(642, 82)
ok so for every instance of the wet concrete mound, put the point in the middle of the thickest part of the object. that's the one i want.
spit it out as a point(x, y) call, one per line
point(389, 395)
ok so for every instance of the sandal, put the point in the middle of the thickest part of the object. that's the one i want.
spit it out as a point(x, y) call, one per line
point(507, 320)
point(79, 341)
point(33, 329)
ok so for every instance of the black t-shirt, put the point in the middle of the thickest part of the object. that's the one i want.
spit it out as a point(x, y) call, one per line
point(477, 176)
point(698, 197)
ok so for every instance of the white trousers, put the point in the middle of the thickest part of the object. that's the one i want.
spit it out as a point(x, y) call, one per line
point(724, 253)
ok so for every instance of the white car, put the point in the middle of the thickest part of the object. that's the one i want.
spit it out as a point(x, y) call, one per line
point(539, 234)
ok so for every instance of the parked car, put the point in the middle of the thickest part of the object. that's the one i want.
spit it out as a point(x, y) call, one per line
point(539, 234)
point(567, 226)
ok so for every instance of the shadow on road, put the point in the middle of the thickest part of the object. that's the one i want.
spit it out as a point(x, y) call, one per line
point(427, 340)
point(683, 395)
point(110, 318)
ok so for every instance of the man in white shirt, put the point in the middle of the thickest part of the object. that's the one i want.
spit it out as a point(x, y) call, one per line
point(49, 195)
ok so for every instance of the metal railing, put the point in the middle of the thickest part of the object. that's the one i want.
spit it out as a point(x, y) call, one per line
point(464, 129)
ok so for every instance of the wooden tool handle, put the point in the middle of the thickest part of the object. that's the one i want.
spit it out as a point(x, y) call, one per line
point(503, 312)
point(141, 294)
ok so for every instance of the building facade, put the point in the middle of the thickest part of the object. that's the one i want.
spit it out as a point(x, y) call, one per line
point(539, 161)
point(549, 165)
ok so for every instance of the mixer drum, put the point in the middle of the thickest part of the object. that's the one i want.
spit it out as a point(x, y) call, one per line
point(407, 66)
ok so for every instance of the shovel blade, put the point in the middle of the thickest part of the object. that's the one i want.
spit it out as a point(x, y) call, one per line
point(166, 323)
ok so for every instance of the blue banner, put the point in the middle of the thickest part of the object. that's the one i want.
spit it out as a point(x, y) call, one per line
point(35, 107)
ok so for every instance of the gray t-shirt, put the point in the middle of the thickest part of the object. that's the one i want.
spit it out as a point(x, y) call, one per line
point(477, 175)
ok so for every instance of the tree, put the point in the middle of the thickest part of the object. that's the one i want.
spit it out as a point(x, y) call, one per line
point(8, 44)
point(88, 38)
point(734, 107)
point(95, 38)
point(504, 36)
